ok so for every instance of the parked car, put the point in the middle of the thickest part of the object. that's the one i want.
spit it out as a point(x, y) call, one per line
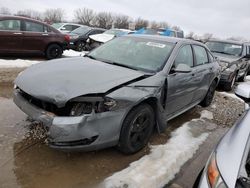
point(118, 93)
point(66, 27)
point(248, 52)
point(79, 37)
point(229, 163)
point(98, 39)
point(24, 35)
point(172, 33)
point(234, 60)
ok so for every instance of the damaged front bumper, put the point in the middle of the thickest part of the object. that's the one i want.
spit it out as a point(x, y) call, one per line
point(81, 133)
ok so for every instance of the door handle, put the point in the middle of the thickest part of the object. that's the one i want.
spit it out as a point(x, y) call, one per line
point(45, 34)
point(17, 33)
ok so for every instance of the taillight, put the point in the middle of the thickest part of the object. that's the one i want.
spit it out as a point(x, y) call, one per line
point(67, 38)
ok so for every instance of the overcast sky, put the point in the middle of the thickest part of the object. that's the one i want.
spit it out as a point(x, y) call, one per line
point(223, 18)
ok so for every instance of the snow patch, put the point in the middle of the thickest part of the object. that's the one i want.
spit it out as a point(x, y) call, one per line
point(205, 114)
point(243, 90)
point(160, 166)
point(17, 63)
point(72, 53)
point(231, 95)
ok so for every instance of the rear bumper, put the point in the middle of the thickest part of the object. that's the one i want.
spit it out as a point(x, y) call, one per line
point(83, 133)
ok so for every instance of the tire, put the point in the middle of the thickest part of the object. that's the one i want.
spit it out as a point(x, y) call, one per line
point(53, 51)
point(229, 86)
point(209, 96)
point(243, 78)
point(80, 46)
point(136, 129)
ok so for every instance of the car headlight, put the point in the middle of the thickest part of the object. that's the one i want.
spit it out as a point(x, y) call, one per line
point(213, 175)
point(87, 105)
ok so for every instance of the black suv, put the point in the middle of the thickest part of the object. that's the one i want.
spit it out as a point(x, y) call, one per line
point(79, 36)
point(234, 60)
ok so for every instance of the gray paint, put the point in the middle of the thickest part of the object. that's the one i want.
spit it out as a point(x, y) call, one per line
point(59, 81)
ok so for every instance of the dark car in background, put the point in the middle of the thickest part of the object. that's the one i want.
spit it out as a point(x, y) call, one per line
point(118, 93)
point(79, 36)
point(234, 60)
point(19, 35)
point(229, 163)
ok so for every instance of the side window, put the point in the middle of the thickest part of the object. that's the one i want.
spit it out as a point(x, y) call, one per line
point(200, 55)
point(185, 56)
point(33, 27)
point(10, 25)
point(68, 27)
point(211, 58)
point(74, 27)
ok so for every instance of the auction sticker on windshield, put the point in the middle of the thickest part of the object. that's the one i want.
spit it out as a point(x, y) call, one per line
point(155, 44)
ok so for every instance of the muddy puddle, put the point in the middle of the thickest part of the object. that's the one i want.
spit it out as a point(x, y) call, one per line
point(27, 161)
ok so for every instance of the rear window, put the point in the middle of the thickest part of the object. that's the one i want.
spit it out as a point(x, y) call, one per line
point(10, 25)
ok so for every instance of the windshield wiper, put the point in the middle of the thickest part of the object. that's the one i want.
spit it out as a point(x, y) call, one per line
point(221, 52)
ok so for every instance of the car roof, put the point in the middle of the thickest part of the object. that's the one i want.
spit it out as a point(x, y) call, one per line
point(165, 39)
point(22, 18)
point(226, 41)
point(64, 23)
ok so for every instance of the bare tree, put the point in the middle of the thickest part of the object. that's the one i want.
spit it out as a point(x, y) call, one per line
point(140, 23)
point(177, 28)
point(206, 37)
point(30, 14)
point(104, 20)
point(53, 15)
point(153, 25)
point(5, 11)
point(121, 21)
point(163, 25)
point(85, 16)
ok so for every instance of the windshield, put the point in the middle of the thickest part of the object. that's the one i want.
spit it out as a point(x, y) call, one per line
point(135, 53)
point(57, 25)
point(225, 48)
point(116, 32)
point(81, 30)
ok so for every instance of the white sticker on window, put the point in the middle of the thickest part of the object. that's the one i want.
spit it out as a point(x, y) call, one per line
point(154, 44)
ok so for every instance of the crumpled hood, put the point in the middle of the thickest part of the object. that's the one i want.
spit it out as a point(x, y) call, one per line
point(102, 37)
point(58, 81)
point(226, 58)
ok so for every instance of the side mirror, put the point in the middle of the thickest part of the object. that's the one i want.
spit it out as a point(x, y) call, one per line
point(182, 68)
point(243, 91)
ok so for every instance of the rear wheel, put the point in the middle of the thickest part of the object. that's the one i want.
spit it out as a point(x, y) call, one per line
point(209, 96)
point(80, 46)
point(137, 129)
point(54, 51)
point(229, 86)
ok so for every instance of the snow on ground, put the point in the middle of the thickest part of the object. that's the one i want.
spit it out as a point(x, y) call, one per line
point(160, 166)
point(22, 63)
point(17, 63)
point(72, 53)
point(205, 114)
point(232, 95)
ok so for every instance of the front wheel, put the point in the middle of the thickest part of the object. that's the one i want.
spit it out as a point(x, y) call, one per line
point(209, 96)
point(229, 86)
point(136, 129)
point(54, 51)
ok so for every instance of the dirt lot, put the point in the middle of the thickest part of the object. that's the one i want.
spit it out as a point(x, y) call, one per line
point(27, 161)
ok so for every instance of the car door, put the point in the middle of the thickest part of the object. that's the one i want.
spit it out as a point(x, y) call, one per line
point(11, 36)
point(203, 72)
point(243, 62)
point(34, 36)
point(181, 86)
